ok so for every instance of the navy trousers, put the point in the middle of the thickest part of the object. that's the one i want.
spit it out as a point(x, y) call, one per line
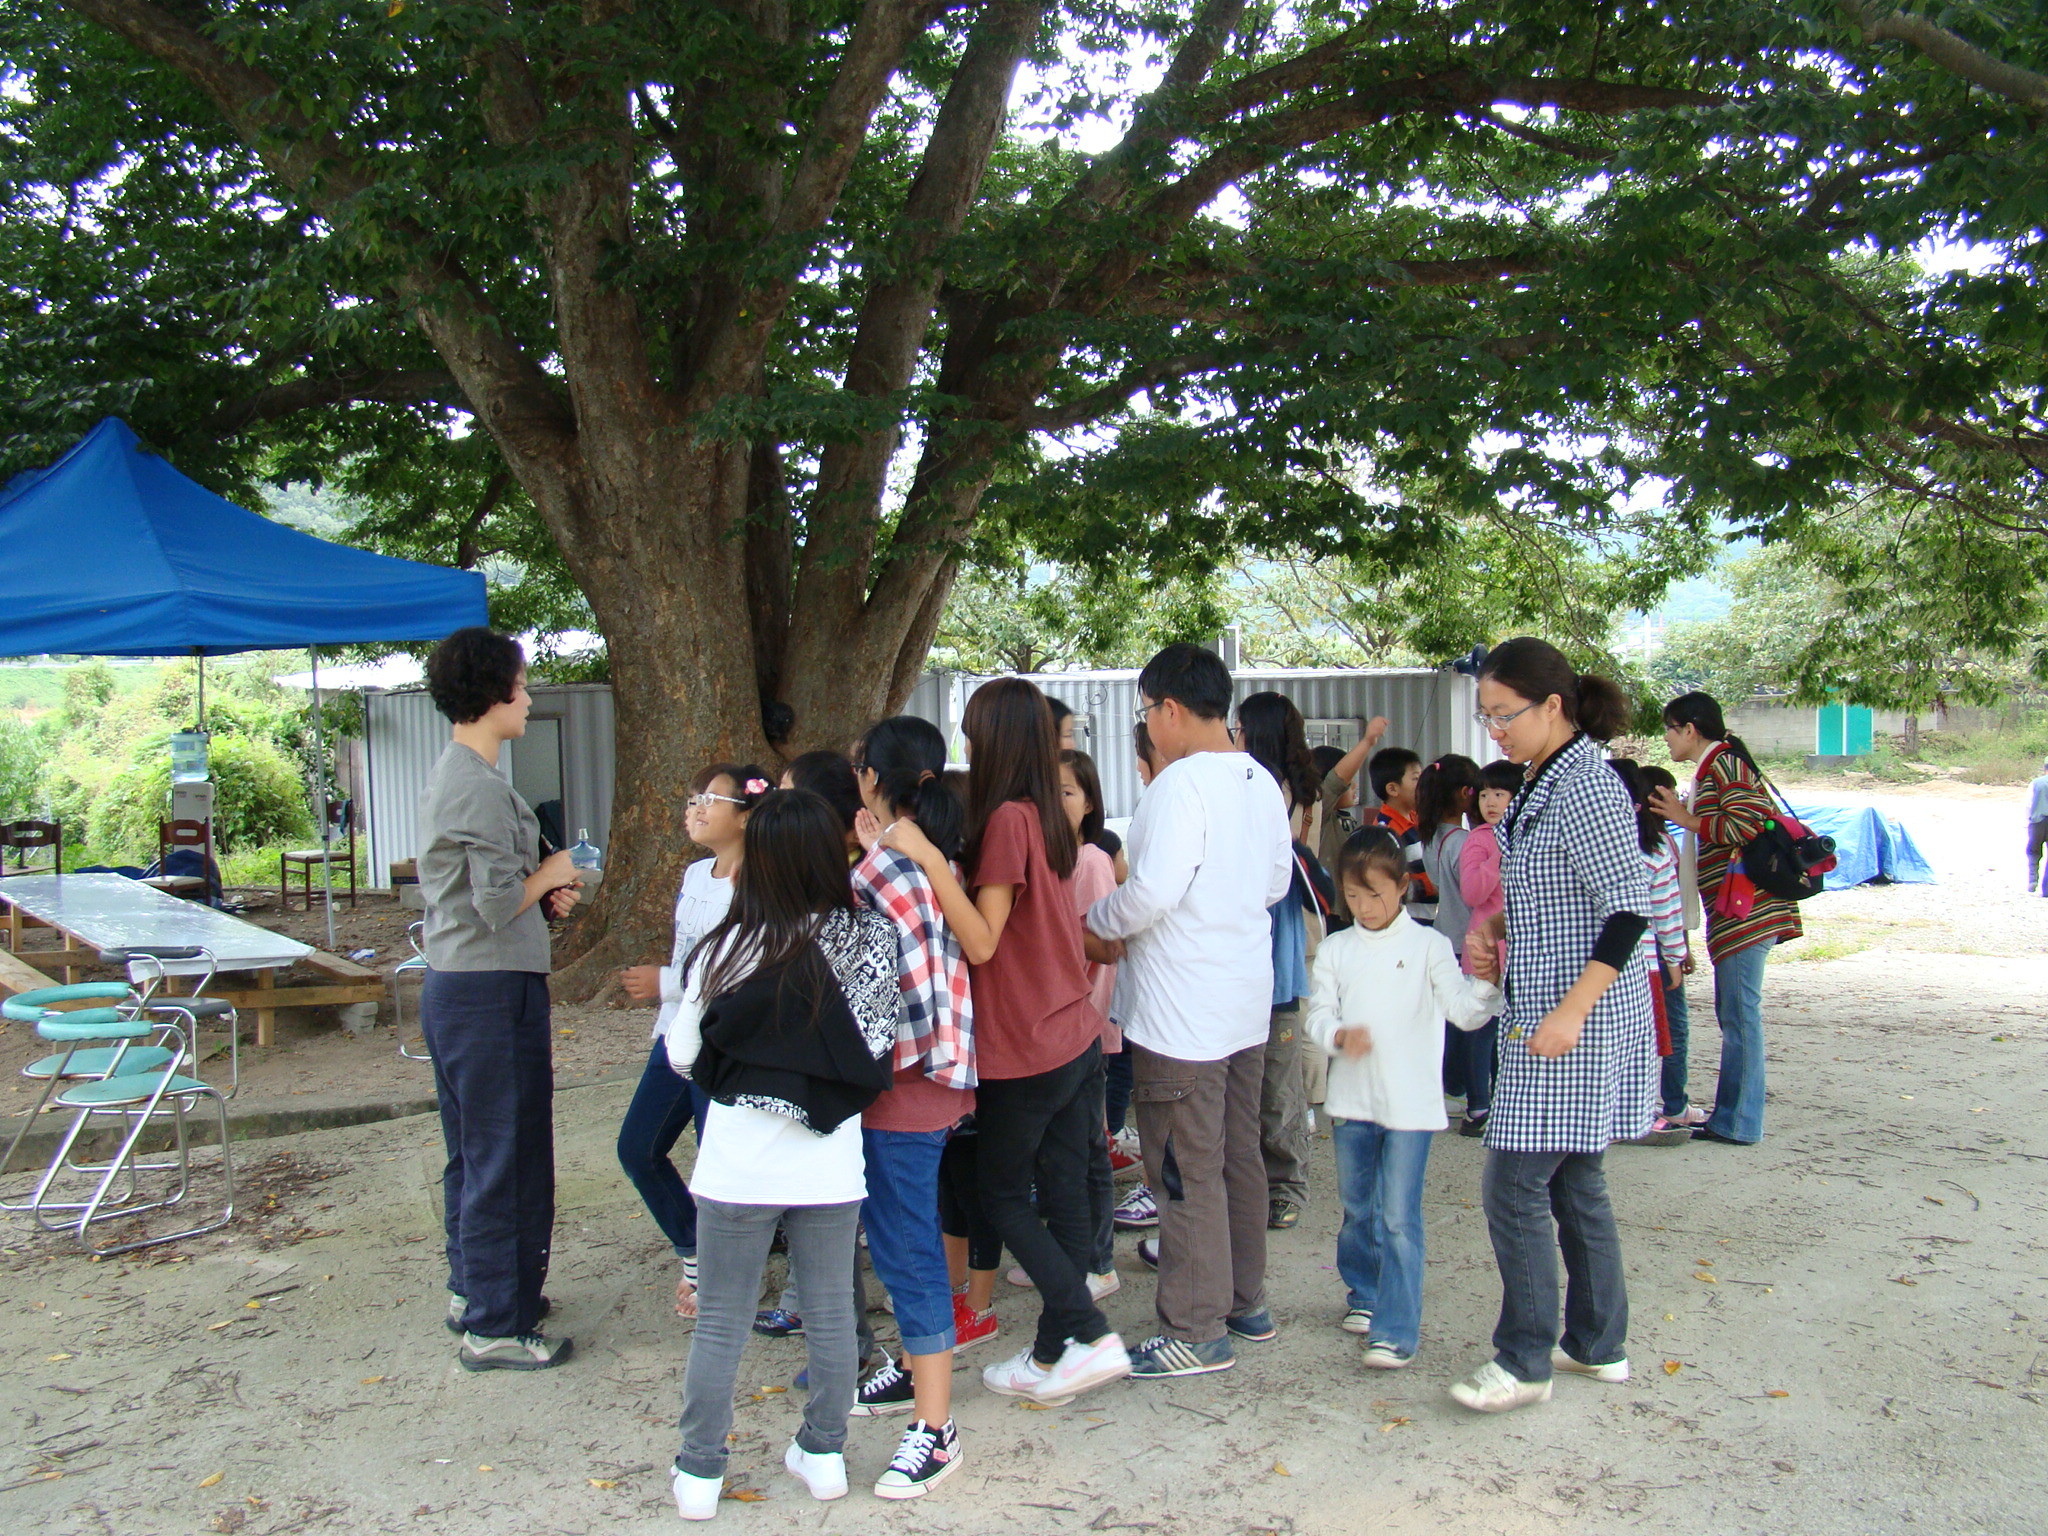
point(494, 1071)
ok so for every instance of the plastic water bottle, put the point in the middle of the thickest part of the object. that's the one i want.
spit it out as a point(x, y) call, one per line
point(587, 858)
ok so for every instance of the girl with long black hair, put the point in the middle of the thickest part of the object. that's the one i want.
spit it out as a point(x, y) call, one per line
point(900, 768)
point(1727, 808)
point(787, 1021)
point(1037, 1035)
point(1272, 731)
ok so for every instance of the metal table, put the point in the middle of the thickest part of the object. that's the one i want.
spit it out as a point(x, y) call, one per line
point(101, 912)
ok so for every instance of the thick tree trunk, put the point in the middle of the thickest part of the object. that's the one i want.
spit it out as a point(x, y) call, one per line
point(686, 683)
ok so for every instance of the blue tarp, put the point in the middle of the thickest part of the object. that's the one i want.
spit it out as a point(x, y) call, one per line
point(1869, 845)
point(111, 552)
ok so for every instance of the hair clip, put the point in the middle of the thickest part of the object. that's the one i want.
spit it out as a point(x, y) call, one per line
point(756, 787)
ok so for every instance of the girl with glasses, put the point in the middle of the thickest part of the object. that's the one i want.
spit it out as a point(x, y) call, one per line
point(722, 796)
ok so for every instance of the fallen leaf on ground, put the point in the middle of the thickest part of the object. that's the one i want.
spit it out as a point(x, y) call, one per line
point(1670, 1317)
point(745, 1495)
point(1903, 1280)
point(1038, 1407)
point(53, 1359)
point(1673, 1367)
point(1931, 1200)
point(208, 1482)
point(1701, 1274)
point(1281, 1468)
point(253, 1306)
point(771, 1391)
point(485, 1467)
point(371, 1381)
point(1777, 1392)
point(604, 1482)
point(1392, 1424)
point(216, 1327)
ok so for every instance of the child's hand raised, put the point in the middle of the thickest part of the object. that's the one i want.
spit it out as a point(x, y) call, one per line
point(1354, 1040)
point(867, 826)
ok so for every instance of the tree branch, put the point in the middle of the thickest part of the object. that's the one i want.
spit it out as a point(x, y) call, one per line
point(510, 393)
point(1101, 402)
point(390, 386)
point(1880, 22)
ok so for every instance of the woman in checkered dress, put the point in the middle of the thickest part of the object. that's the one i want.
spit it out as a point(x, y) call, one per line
point(1577, 1047)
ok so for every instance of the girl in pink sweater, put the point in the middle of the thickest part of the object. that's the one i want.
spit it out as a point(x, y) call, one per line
point(1479, 884)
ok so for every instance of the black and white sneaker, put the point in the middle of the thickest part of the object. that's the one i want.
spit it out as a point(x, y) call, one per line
point(923, 1460)
point(888, 1391)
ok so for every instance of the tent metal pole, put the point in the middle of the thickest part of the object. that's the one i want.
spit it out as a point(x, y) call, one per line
point(320, 778)
point(201, 658)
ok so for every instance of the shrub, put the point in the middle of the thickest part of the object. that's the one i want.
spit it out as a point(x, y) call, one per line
point(259, 798)
point(23, 757)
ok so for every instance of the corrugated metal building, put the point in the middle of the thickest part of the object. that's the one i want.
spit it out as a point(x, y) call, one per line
point(566, 754)
point(1428, 711)
point(565, 758)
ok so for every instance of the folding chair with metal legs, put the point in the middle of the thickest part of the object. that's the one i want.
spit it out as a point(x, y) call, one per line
point(139, 1098)
point(417, 965)
point(83, 1058)
point(150, 959)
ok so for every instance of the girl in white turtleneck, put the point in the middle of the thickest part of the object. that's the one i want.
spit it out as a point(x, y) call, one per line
point(1381, 992)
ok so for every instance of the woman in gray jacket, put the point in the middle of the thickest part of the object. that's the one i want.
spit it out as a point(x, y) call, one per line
point(484, 1009)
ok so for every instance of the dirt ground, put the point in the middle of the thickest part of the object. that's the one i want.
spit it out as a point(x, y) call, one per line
point(1843, 1330)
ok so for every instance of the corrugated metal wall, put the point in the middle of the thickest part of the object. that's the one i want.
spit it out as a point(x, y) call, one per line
point(405, 733)
point(1430, 712)
point(1427, 711)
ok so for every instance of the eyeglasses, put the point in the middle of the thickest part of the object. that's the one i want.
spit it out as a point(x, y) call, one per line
point(1142, 711)
point(704, 800)
point(1500, 722)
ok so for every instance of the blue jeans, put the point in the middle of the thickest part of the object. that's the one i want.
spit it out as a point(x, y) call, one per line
point(1116, 1089)
point(1678, 1019)
point(1739, 1008)
point(1540, 1205)
point(902, 1217)
point(1379, 1247)
point(662, 1105)
point(495, 1077)
point(1468, 1061)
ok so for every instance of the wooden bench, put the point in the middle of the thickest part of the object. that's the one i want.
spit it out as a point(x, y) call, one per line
point(345, 982)
point(17, 975)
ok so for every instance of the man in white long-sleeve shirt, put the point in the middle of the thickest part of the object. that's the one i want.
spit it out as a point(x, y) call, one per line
point(1209, 853)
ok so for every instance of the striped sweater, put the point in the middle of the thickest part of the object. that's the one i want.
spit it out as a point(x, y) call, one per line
point(1733, 806)
point(1667, 905)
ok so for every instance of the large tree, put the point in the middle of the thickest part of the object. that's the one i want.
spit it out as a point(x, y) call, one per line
point(765, 308)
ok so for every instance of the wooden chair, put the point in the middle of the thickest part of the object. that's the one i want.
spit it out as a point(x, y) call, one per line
point(22, 835)
point(340, 820)
point(182, 834)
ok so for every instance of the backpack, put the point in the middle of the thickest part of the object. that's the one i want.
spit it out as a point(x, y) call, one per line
point(1787, 859)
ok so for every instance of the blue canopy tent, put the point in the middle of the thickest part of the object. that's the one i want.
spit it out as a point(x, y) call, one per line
point(111, 552)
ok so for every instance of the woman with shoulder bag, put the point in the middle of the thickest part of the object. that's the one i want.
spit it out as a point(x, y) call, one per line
point(1728, 808)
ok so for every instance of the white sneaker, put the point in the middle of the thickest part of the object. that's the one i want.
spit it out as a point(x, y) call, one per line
point(1357, 1320)
point(696, 1497)
point(1614, 1370)
point(1018, 1376)
point(1381, 1356)
point(1082, 1368)
point(1490, 1389)
point(824, 1474)
point(1105, 1284)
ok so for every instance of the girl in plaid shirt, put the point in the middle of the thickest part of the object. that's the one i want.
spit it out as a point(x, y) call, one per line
point(900, 767)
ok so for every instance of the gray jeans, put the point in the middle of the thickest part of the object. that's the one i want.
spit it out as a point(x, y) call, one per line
point(732, 1251)
point(1283, 1109)
point(1538, 1204)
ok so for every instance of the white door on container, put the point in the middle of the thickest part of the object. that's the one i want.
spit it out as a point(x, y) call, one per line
point(1341, 734)
point(537, 776)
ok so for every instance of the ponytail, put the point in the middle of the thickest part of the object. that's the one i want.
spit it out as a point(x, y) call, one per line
point(908, 757)
point(1702, 711)
point(1535, 669)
